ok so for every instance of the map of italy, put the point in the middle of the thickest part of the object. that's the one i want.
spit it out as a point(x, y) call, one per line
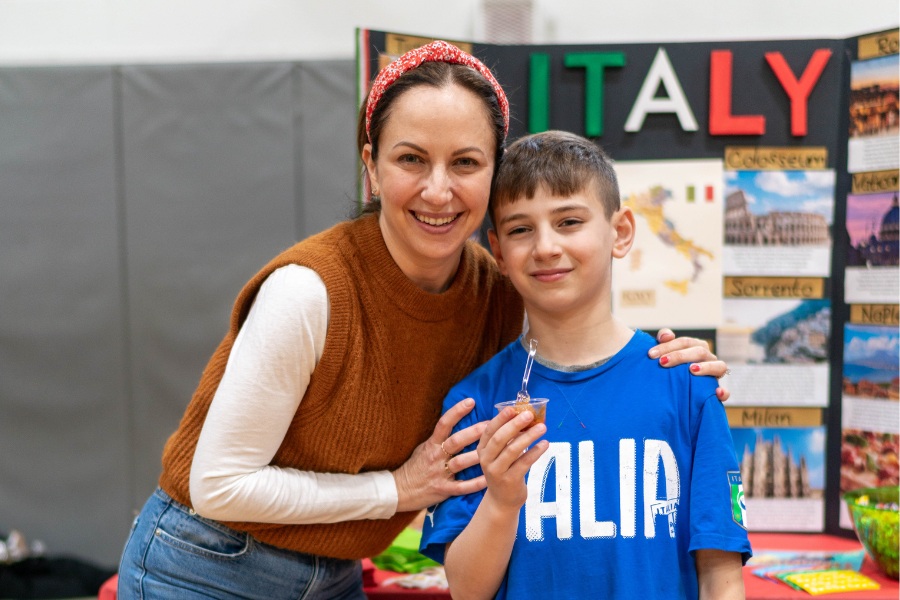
point(650, 205)
point(672, 277)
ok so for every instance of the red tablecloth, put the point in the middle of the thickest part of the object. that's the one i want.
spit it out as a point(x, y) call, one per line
point(108, 590)
point(374, 586)
point(760, 589)
point(755, 587)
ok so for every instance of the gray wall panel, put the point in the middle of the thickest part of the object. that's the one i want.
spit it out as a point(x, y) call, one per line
point(63, 405)
point(325, 106)
point(208, 164)
point(135, 202)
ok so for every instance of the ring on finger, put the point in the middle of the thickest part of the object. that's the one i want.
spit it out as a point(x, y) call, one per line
point(447, 468)
point(447, 454)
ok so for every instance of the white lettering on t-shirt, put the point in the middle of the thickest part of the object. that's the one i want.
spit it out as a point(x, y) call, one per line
point(559, 454)
point(654, 452)
point(627, 487)
point(590, 528)
point(555, 467)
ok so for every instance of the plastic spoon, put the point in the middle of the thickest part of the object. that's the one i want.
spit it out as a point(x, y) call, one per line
point(523, 396)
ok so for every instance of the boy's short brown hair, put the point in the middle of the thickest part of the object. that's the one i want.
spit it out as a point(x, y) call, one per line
point(563, 162)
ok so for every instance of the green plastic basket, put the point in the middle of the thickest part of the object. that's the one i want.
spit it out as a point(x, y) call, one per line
point(875, 520)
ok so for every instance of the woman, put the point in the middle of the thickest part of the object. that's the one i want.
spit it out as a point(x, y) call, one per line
point(314, 435)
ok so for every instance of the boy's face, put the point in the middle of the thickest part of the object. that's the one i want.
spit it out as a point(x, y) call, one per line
point(558, 251)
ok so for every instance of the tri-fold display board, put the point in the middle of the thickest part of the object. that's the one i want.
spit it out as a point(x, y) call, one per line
point(764, 179)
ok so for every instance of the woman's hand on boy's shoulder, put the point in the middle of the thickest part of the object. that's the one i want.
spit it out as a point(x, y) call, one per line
point(671, 351)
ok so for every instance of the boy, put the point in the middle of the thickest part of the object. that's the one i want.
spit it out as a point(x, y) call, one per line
point(631, 489)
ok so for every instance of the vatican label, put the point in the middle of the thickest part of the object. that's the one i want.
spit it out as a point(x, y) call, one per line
point(875, 314)
point(875, 181)
point(762, 158)
point(774, 287)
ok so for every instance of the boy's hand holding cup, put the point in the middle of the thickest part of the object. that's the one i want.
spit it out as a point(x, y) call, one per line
point(509, 446)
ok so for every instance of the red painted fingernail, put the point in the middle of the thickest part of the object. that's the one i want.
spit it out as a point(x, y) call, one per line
point(695, 368)
point(664, 360)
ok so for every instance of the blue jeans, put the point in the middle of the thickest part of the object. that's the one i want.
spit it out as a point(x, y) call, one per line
point(173, 554)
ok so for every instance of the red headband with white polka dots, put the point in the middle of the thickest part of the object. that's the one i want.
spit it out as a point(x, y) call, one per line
point(438, 51)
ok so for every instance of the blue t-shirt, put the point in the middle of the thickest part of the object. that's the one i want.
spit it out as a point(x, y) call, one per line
point(640, 473)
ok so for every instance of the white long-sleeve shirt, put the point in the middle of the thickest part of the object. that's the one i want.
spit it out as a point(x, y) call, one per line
point(268, 371)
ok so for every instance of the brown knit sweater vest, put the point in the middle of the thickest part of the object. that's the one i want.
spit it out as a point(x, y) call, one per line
point(391, 354)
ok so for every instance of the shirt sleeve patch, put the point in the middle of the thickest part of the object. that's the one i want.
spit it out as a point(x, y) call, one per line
point(738, 506)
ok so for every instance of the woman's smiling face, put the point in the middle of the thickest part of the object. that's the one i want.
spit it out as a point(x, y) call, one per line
point(433, 173)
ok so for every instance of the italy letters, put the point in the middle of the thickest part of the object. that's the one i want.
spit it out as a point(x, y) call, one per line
point(673, 100)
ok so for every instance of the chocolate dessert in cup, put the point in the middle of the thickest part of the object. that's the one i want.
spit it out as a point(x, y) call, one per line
point(524, 402)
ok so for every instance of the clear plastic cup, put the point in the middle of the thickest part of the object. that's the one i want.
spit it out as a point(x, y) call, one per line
point(538, 406)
